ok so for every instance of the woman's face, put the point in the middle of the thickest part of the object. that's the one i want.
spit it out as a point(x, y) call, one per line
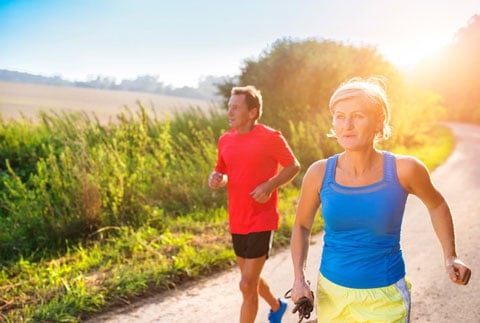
point(355, 125)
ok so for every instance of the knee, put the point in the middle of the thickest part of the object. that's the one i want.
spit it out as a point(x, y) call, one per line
point(248, 287)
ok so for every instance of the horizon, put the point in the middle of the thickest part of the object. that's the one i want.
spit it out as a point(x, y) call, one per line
point(183, 42)
point(117, 81)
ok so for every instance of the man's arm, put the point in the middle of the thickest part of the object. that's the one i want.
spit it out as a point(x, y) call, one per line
point(263, 191)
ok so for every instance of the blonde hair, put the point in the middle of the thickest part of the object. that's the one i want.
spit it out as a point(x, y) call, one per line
point(371, 92)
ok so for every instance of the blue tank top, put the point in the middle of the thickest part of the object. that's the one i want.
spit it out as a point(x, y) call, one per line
point(362, 229)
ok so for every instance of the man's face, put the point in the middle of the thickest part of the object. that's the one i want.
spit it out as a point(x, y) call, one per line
point(239, 116)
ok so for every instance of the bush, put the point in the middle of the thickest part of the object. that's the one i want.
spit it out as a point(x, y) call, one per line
point(87, 176)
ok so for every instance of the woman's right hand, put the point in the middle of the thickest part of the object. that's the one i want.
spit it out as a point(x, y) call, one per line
point(301, 289)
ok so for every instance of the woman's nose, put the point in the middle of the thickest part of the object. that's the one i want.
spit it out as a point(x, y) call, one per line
point(349, 123)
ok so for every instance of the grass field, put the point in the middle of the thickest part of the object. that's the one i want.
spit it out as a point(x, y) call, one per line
point(17, 99)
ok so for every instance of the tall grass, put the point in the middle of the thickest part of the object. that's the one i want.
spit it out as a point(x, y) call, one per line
point(66, 177)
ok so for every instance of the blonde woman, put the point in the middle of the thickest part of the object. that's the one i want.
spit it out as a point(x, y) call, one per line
point(362, 192)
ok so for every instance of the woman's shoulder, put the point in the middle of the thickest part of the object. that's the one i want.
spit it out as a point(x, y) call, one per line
point(408, 162)
point(318, 165)
point(313, 179)
point(410, 170)
point(317, 169)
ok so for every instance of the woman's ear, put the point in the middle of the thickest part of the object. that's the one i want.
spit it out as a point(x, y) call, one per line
point(379, 124)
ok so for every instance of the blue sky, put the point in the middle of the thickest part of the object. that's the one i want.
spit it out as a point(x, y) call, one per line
point(183, 40)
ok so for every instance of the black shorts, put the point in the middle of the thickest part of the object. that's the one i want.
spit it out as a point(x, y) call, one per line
point(252, 245)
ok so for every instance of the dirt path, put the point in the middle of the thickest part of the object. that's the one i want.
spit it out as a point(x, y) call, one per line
point(434, 297)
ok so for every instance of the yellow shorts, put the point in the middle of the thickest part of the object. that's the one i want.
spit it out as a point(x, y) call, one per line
point(336, 303)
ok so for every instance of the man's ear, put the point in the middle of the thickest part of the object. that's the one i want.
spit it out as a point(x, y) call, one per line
point(253, 113)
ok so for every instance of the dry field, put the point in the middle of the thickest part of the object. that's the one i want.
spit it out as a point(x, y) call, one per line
point(17, 99)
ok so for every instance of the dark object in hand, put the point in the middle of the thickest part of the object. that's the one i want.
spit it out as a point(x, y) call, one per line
point(304, 307)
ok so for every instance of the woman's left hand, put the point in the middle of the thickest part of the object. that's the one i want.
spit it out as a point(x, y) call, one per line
point(458, 271)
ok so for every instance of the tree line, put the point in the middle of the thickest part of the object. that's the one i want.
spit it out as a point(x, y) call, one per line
point(206, 89)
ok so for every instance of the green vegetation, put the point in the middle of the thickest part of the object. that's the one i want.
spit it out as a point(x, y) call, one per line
point(453, 73)
point(96, 215)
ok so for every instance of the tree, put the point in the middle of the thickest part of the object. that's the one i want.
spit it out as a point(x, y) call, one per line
point(455, 74)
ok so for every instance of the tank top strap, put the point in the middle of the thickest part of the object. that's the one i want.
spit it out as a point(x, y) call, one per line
point(389, 167)
point(330, 169)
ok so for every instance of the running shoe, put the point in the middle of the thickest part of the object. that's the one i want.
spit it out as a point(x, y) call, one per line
point(276, 317)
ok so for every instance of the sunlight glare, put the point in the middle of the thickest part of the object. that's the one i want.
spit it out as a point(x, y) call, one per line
point(415, 50)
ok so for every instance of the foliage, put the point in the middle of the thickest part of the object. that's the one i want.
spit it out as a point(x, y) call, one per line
point(415, 113)
point(454, 72)
point(434, 150)
point(71, 176)
point(112, 269)
point(21, 147)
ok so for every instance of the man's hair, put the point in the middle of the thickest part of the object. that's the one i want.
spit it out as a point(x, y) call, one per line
point(253, 97)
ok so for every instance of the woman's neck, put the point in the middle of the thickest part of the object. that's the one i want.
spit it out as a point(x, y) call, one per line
point(360, 163)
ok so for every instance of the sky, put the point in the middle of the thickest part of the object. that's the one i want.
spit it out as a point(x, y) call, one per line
point(183, 41)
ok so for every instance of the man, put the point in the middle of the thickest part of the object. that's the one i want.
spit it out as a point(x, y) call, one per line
point(249, 156)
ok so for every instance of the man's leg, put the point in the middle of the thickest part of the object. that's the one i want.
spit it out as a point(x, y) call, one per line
point(251, 285)
point(267, 295)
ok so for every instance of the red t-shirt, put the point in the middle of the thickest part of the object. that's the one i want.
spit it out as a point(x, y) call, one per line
point(249, 160)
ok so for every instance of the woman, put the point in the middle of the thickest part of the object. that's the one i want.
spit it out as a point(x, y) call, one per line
point(363, 192)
